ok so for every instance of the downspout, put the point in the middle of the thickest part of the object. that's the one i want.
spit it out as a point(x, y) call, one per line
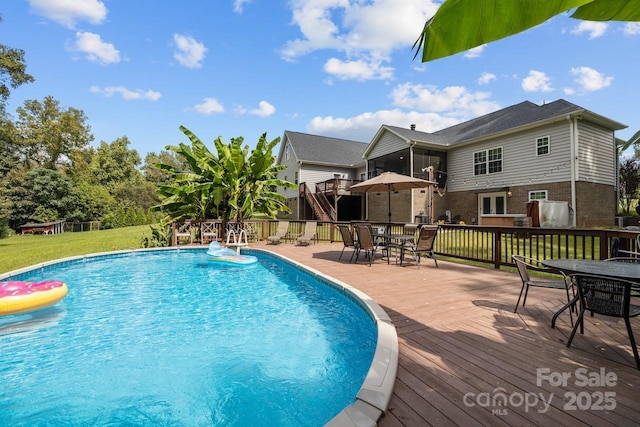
point(412, 144)
point(573, 138)
point(300, 203)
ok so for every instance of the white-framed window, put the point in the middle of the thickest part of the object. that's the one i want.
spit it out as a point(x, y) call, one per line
point(295, 177)
point(542, 146)
point(538, 195)
point(487, 161)
point(287, 152)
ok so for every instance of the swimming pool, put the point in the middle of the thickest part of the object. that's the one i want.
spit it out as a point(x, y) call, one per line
point(167, 337)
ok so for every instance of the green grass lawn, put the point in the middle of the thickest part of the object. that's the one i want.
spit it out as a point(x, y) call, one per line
point(22, 251)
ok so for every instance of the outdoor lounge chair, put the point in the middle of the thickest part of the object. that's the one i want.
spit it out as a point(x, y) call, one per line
point(348, 240)
point(366, 243)
point(525, 265)
point(310, 228)
point(608, 297)
point(281, 233)
point(424, 245)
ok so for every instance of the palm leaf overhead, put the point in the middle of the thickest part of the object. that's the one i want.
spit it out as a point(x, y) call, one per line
point(460, 25)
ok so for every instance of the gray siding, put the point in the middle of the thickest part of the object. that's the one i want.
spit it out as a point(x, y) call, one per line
point(520, 163)
point(596, 154)
point(289, 172)
point(312, 174)
point(387, 144)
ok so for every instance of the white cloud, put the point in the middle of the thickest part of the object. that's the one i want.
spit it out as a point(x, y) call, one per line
point(456, 100)
point(486, 78)
point(238, 5)
point(358, 70)
point(536, 81)
point(475, 52)
point(632, 28)
point(590, 79)
point(430, 108)
point(209, 106)
point(366, 32)
point(364, 126)
point(264, 109)
point(127, 94)
point(190, 52)
point(68, 12)
point(95, 49)
point(594, 29)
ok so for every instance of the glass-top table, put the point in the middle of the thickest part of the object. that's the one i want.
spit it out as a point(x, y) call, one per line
point(614, 269)
point(620, 270)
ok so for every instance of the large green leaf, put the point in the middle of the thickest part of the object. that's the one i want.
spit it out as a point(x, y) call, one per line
point(460, 25)
point(609, 10)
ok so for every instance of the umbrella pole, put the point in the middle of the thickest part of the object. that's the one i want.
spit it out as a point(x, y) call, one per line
point(389, 192)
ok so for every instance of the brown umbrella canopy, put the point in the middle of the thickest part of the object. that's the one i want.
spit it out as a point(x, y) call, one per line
point(390, 181)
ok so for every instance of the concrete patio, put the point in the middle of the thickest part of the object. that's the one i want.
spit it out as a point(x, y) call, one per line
point(467, 359)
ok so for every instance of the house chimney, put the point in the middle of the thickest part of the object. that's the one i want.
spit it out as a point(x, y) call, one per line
point(412, 126)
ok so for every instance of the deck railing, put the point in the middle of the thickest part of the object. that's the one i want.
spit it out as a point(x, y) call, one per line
point(491, 245)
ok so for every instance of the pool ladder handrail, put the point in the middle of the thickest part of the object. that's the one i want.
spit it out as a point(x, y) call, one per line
point(237, 240)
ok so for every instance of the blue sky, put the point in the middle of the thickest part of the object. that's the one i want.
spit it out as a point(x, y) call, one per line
point(337, 68)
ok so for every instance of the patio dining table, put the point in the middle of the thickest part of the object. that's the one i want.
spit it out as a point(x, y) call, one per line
point(398, 240)
point(618, 270)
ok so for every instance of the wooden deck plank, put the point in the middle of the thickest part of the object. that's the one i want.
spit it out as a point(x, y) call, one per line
point(458, 334)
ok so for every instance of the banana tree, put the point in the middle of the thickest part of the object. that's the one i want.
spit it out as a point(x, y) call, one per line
point(233, 184)
point(460, 25)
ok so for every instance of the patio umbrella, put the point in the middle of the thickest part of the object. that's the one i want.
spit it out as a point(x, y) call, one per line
point(390, 181)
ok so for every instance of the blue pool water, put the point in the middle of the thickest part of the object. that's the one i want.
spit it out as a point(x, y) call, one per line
point(170, 338)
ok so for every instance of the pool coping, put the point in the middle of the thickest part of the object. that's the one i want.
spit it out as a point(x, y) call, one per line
point(372, 400)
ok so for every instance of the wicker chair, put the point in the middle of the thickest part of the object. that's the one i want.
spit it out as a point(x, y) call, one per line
point(608, 297)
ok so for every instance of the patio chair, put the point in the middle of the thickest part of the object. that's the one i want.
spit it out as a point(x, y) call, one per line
point(525, 265)
point(609, 297)
point(366, 243)
point(424, 245)
point(183, 232)
point(309, 234)
point(281, 233)
point(347, 240)
point(208, 232)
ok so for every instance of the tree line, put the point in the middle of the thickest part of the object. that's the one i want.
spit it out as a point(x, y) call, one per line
point(50, 171)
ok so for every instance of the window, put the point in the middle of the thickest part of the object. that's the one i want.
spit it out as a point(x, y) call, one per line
point(538, 195)
point(542, 146)
point(287, 152)
point(296, 177)
point(488, 161)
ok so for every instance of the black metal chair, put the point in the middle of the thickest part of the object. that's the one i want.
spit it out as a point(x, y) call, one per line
point(366, 243)
point(525, 264)
point(609, 297)
point(348, 240)
point(424, 245)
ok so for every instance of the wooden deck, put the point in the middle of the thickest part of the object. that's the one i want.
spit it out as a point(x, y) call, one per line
point(462, 348)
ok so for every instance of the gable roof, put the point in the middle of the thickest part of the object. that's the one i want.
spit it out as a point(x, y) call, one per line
point(325, 150)
point(510, 119)
point(518, 116)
